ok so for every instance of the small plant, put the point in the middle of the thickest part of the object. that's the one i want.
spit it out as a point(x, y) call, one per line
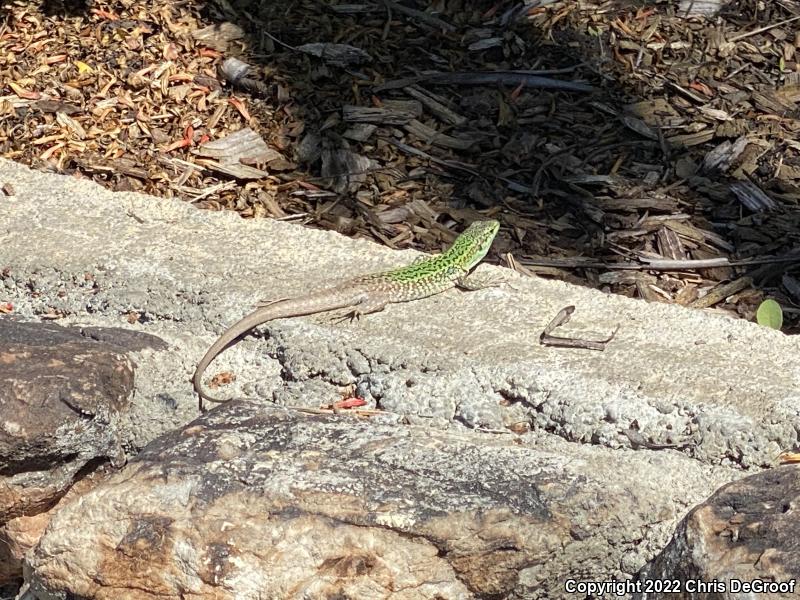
point(769, 314)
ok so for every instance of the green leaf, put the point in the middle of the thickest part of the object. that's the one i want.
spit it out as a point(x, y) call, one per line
point(769, 314)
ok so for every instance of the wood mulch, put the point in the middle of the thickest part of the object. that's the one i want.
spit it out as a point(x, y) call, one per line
point(645, 148)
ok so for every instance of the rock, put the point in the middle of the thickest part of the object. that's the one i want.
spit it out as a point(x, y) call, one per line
point(256, 502)
point(125, 339)
point(60, 400)
point(20, 534)
point(608, 451)
point(744, 535)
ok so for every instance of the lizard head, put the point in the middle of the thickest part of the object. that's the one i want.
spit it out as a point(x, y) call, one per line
point(472, 245)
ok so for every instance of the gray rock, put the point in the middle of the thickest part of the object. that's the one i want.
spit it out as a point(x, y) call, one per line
point(61, 399)
point(254, 502)
point(740, 543)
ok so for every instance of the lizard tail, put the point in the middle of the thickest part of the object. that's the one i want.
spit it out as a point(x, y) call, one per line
point(314, 303)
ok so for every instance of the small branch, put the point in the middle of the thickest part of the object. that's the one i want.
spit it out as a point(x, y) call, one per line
point(562, 318)
point(741, 36)
point(510, 78)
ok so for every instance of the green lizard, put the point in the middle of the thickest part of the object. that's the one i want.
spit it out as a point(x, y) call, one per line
point(371, 293)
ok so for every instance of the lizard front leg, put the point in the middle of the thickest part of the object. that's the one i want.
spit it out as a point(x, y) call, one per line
point(478, 281)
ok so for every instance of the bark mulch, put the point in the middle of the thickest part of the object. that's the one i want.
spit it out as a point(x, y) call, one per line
point(645, 148)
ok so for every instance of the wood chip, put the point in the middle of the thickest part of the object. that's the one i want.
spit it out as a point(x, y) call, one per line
point(429, 135)
point(752, 196)
point(340, 55)
point(234, 154)
point(360, 132)
point(436, 107)
point(219, 36)
point(383, 116)
point(721, 292)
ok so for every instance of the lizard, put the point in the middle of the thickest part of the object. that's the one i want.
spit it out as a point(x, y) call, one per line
point(365, 294)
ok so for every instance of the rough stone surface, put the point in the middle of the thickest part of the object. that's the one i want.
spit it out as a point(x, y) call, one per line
point(255, 502)
point(744, 534)
point(19, 535)
point(60, 401)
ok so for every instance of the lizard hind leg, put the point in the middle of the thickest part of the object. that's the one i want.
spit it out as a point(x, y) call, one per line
point(368, 306)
